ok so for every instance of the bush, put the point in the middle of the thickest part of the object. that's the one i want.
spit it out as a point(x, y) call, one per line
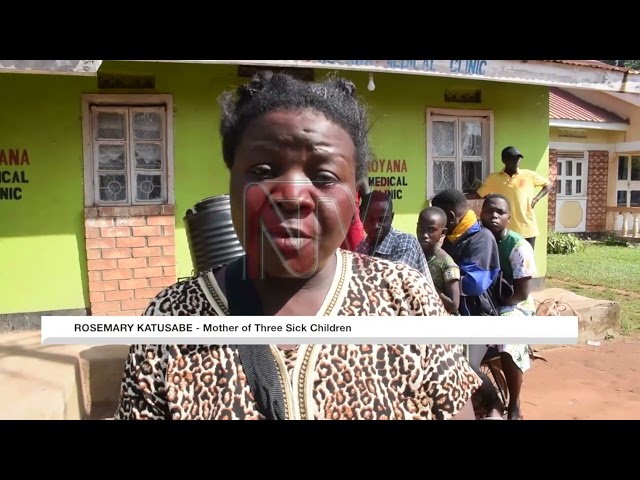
point(564, 244)
point(613, 241)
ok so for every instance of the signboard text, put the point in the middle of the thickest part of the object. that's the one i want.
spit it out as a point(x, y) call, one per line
point(390, 184)
point(464, 67)
point(11, 180)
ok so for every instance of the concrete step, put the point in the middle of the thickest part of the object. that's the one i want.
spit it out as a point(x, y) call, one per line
point(57, 382)
point(102, 368)
point(598, 319)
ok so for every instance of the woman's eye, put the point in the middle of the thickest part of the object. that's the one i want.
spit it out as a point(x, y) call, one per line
point(325, 178)
point(261, 171)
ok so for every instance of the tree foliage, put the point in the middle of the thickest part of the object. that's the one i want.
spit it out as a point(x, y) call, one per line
point(633, 64)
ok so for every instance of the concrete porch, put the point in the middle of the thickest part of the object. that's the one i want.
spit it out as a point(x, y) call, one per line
point(76, 382)
point(57, 382)
point(624, 223)
point(598, 319)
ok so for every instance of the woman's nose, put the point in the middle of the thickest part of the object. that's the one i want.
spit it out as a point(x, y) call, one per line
point(292, 193)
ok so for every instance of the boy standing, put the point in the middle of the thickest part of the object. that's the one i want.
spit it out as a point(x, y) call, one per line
point(431, 231)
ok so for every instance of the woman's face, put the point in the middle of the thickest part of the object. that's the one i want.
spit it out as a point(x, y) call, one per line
point(292, 192)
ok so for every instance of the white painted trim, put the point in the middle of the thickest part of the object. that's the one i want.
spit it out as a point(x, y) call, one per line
point(625, 185)
point(618, 127)
point(129, 100)
point(52, 67)
point(584, 177)
point(48, 72)
point(455, 113)
point(632, 98)
point(628, 147)
point(528, 72)
point(571, 146)
point(579, 198)
point(582, 226)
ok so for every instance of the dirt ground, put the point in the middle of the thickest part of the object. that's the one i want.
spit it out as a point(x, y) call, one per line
point(578, 382)
point(582, 382)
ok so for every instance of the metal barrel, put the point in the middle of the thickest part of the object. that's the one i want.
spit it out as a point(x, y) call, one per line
point(212, 239)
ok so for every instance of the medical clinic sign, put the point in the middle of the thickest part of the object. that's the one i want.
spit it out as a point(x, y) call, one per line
point(448, 67)
point(463, 68)
point(531, 72)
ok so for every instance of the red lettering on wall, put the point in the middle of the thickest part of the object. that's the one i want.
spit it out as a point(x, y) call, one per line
point(14, 157)
point(388, 166)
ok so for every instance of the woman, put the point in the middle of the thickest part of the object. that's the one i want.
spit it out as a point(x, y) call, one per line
point(295, 150)
point(518, 268)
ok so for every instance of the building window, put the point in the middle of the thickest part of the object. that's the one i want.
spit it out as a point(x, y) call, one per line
point(628, 181)
point(128, 153)
point(459, 151)
point(571, 179)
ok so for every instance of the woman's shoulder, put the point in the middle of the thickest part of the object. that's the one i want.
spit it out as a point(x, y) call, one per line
point(397, 286)
point(374, 268)
point(186, 297)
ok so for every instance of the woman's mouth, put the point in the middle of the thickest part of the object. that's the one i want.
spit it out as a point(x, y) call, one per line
point(287, 231)
point(290, 240)
point(290, 244)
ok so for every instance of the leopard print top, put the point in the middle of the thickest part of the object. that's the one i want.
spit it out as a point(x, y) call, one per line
point(382, 382)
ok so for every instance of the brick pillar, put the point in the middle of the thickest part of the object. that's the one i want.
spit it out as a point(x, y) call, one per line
point(130, 256)
point(553, 173)
point(597, 191)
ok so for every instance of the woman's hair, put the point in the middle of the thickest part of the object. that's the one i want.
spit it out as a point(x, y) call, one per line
point(335, 98)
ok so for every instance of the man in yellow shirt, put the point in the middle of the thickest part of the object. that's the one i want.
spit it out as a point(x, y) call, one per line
point(519, 186)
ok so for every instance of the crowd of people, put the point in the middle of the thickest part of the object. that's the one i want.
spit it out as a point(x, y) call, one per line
point(289, 145)
point(478, 266)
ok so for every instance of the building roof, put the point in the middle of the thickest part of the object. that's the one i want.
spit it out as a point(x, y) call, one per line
point(54, 67)
point(566, 106)
point(584, 74)
point(592, 63)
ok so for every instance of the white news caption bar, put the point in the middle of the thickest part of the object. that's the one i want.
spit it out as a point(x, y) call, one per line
point(308, 330)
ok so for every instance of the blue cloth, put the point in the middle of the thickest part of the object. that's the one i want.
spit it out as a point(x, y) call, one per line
point(476, 253)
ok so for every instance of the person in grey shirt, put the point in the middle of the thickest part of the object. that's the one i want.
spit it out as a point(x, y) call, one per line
point(383, 240)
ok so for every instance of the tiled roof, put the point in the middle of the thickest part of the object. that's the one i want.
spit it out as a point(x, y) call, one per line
point(590, 63)
point(565, 106)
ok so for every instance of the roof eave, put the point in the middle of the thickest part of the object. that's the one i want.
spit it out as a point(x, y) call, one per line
point(51, 67)
point(632, 98)
point(582, 124)
point(528, 72)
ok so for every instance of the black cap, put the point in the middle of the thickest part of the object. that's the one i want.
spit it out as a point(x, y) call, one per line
point(511, 152)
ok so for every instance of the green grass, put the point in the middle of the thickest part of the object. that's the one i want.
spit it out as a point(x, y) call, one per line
point(602, 272)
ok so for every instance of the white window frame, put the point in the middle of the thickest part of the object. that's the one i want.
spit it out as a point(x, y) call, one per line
point(578, 158)
point(445, 114)
point(96, 102)
point(627, 185)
